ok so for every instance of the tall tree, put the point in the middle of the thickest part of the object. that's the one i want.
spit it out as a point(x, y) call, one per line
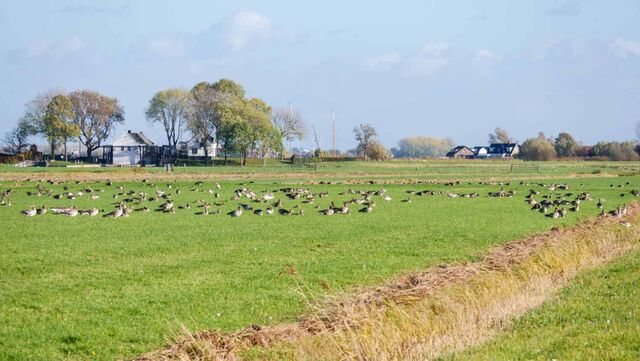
point(170, 108)
point(365, 135)
point(290, 123)
point(500, 136)
point(419, 147)
point(565, 145)
point(96, 116)
point(57, 126)
point(17, 138)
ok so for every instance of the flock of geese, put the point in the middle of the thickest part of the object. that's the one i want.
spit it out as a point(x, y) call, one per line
point(556, 203)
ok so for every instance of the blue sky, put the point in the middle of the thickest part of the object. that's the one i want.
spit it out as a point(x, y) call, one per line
point(438, 68)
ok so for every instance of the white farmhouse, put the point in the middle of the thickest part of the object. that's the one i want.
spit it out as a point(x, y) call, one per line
point(131, 148)
point(195, 148)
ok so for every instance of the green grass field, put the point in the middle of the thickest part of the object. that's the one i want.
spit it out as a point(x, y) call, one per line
point(596, 318)
point(102, 288)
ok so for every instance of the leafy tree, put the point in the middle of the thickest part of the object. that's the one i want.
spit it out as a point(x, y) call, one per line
point(365, 135)
point(57, 126)
point(537, 149)
point(618, 151)
point(377, 151)
point(565, 145)
point(419, 147)
point(96, 116)
point(170, 108)
point(17, 138)
point(500, 136)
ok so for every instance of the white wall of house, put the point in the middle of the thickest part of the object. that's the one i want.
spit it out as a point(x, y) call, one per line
point(126, 155)
point(196, 150)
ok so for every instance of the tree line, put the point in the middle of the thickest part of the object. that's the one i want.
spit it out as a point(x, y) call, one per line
point(207, 112)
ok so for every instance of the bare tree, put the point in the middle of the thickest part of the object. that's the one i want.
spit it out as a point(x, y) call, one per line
point(170, 108)
point(500, 136)
point(290, 123)
point(366, 135)
point(95, 115)
point(17, 138)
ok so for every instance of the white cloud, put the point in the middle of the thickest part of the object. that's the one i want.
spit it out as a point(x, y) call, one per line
point(485, 58)
point(170, 47)
point(428, 59)
point(625, 47)
point(246, 27)
point(385, 61)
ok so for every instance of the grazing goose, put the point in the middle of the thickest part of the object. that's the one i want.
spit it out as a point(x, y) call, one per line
point(284, 212)
point(30, 212)
point(93, 212)
point(555, 214)
point(600, 203)
point(366, 209)
point(167, 207)
point(258, 212)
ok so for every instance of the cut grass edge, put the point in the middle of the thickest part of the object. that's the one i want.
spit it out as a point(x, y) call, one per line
point(429, 314)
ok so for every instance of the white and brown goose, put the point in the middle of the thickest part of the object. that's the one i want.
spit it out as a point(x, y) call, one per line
point(30, 212)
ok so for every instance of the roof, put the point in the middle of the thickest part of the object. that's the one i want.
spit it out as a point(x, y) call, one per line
point(132, 139)
point(5, 153)
point(502, 148)
point(458, 149)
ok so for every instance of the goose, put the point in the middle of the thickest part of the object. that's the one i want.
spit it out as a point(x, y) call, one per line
point(328, 212)
point(205, 209)
point(269, 210)
point(93, 212)
point(71, 212)
point(167, 206)
point(624, 210)
point(236, 213)
point(600, 203)
point(30, 212)
point(258, 212)
point(42, 210)
point(408, 200)
point(555, 214)
point(387, 198)
point(366, 209)
point(563, 212)
point(284, 212)
point(115, 213)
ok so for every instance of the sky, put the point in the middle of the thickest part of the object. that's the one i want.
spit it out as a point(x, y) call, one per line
point(453, 69)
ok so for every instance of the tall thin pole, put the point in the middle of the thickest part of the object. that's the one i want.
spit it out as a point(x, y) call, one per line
point(334, 133)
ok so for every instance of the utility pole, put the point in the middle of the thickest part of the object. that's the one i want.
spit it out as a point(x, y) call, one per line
point(334, 133)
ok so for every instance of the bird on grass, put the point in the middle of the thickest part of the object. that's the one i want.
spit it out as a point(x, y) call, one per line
point(30, 212)
point(236, 213)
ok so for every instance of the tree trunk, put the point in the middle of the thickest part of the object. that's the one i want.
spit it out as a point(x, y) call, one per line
point(65, 151)
point(226, 153)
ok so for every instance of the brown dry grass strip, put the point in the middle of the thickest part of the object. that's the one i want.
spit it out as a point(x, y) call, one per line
point(425, 315)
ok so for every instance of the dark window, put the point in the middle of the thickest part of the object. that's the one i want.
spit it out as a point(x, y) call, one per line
point(194, 151)
point(122, 149)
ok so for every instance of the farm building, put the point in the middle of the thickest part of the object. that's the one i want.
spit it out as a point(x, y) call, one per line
point(480, 152)
point(194, 148)
point(503, 150)
point(461, 151)
point(130, 149)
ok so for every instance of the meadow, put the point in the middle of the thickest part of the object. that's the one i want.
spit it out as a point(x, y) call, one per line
point(102, 288)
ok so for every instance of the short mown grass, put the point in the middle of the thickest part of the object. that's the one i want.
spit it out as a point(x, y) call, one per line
point(100, 288)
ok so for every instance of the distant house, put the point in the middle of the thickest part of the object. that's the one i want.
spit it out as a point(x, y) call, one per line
point(194, 148)
point(503, 150)
point(461, 151)
point(480, 152)
point(130, 149)
point(4, 155)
